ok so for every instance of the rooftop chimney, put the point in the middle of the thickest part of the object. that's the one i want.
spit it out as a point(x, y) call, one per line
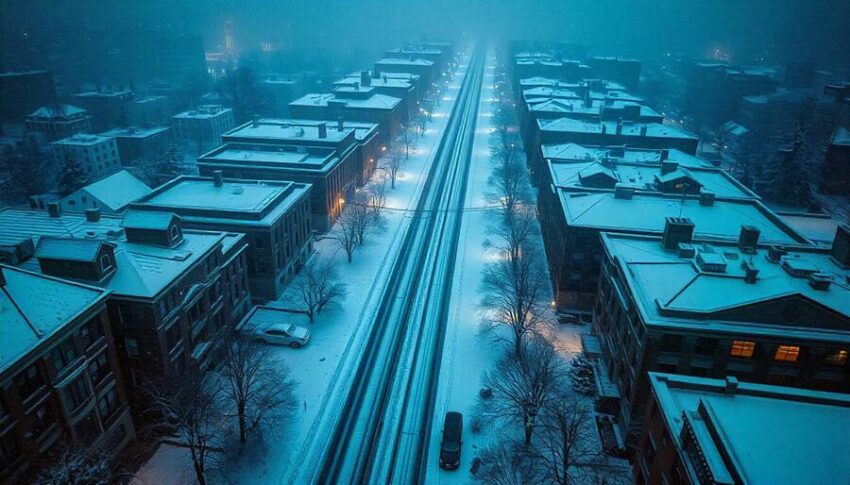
point(620, 127)
point(323, 130)
point(624, 190)
point(668, 166)
point(255, 122)
point(53, 209)
point(92, 215)
point(665, 154)
point(748, 239)
point(643, 130)
point(731, 385)
point(365, 78)
point(2, 278)
point(775, 253)
point(677, 230)
point(218, 178)
point(376, 72)
point(751, 273)
point(604, 129)
point(841, 245)
point(340, 124)
point(706, 198)
point(820, 281)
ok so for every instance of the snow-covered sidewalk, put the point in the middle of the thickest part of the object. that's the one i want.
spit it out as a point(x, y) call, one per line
point(323, 369)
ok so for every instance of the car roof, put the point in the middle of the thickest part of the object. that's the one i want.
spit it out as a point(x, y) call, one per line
point(278, 326)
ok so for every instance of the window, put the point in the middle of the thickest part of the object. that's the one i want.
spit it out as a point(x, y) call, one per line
point(132, 346)
point(87, 430)
point(107, 404)
point(175, 234)
point(705, 346)
point(671, 343)
point(105, 263)
point(76, 393)
point(42, 418)
point(173, 335)
point(742, 348)
point(91, 332)
point(29, 381)
point(9, 450)
point(837, 358)
point(99, 368)
point(787, 353)
point(63, 354)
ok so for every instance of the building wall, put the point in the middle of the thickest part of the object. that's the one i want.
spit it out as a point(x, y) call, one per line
point(79, 397)
point(96, 159)
point(59, 128)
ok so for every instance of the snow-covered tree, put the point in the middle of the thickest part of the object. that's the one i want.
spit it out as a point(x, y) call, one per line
point(392, 163)
point(506, 463)
point(24, 171)
point(581, 375)
point(318, 286)
point(72, 176)
point(74, 465)
point(258, 390)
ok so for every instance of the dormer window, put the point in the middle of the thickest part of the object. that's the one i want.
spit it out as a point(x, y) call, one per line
point(175, 234)
point(105, 263)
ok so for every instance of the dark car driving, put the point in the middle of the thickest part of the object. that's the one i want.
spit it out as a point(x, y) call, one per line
point(452, 441)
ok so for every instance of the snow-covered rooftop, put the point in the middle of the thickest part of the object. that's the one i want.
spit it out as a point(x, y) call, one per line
point(34, 307)
point(764, 434)
point(375, 101)
point(277, 129)
point(542, 93)
point(597, 106)
point(203, 112)
point(117, 190)
point(82, 139)
point(628, 128)
point(17, 225)
point(645, 212)
point(403, 61)
point(57, 111)
point(557, 83)
point(674, 290)
point(135, 132)
point(198, 199)
point(314, 159)
point(580, 153)
point(381, 81)
point(841, 136)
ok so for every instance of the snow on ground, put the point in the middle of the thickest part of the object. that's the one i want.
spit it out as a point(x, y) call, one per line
point(468, 352)
point(323, 368)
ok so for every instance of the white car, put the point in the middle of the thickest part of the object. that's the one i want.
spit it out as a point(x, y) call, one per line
point(284, 334)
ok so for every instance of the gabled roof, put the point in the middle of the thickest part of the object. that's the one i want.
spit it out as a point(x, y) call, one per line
point(117, 190)
point(57, 111)
point(157, 221)
point(69, 249)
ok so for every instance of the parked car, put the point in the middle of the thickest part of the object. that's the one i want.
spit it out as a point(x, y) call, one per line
point(284, 334)
point(452, 441)
point(566, 318)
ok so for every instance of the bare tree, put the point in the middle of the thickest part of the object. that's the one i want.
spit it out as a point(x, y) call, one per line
point(392, 163)
point(345, 233)
point(564, 447)
point(515, 294)
point(377, 196)
point(318, 286)
point(185, 407)
point(506, 463)
point(75, 466)
point(259, 390)
point(72, 176)
point(517, 230)
point(24, 171)
point(523, 384)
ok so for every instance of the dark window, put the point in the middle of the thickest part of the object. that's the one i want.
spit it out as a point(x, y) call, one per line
point(63, 354)
point(837, 358)
point(87, 429)
point(705, 346)
point(132, 346)
point(29, 381)
point(671, 343)
point(99, 368)
point(91, 332)
point(76, 393)
point(107, 404)
point(42, 418)
point(173, 336)
point(9, 450)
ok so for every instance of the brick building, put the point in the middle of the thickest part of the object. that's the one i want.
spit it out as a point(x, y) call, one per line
point(362, 104)
point(60, 384)
point(97, 155)
point(274, 216)
point(140, 145)
point(57, 121)
point(608, 133)
point(202, 126)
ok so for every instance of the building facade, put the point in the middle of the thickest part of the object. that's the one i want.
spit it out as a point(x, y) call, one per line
point(202, 126)
point(97, 155)
point(57, 121)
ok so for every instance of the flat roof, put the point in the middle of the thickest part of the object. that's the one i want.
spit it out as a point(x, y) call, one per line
point(375, 101)
point(643, 176)
point(34, 307)
point(198, 199)
point(380, 81)
point(318, 160)
point(82, 139)
point(584, 153)
point(299, 129)
point(673, 290)
point(597, 106)
point(135, 132)
point(570, 125)
point(203, 112)
point(770, 434)
point(393, 61)
point(646, 212)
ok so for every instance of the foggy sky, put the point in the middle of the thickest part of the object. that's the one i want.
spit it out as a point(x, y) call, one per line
point(777, 29)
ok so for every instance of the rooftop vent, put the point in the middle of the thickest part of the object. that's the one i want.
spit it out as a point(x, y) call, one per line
point(218, 178)
point(820, 281)
point(775, 253)
point(53, 209)
point(799, 267)
point(686, 250)
point(751, 273)
point(748, 239)
point(93, 215)
point(340, 124)
point(643, 130)
point(323, 130)
point(731, 385)
point(706, 198)
point(664, 155)
point(708, 260)
point(668, 166)
point(677, 230)
point(238, 190)
point(624, 190)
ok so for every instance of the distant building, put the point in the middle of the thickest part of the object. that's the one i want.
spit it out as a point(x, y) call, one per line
point(528, 65)
point(437, 56)
point(623, 71)
point(274, 216)
point(713, 90)
point(174, 291)
point(110, 195)
point(21, 93)
point(394, 87)
point(427, 70)
point(149, 111)
point(56, 121)
point(137, 145)
point(361, 104)
point(97, 155)
point(279, 91)
point(612, 133)
point(688, 304)
point(203, 126)
point(342, 135)
point(576, 209)
point(835, 175)
point(724, 431)
point(59, 372)
point(108, 108)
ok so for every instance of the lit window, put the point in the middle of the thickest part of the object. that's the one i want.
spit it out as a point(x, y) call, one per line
point(787, 353)
point(742, 348)
point(839, 357)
